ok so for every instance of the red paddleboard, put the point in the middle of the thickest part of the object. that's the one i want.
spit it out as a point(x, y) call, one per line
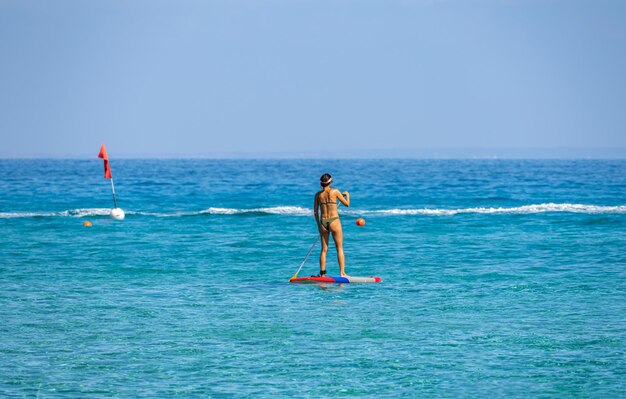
point(331, 279)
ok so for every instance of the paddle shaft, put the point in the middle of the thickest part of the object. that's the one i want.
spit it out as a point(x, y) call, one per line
point(307, 257)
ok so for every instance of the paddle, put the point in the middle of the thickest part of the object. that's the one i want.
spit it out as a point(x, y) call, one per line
point(307, 257)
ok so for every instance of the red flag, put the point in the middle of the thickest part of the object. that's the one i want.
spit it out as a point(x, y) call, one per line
point(107, 168)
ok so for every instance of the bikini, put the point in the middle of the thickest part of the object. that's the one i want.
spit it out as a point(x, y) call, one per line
point(326, 222)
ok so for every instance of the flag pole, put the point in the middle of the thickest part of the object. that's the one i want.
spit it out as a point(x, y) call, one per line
point(116, 213)
point(113, 189)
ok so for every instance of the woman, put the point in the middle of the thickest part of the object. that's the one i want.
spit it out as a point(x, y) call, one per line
point(326, 201)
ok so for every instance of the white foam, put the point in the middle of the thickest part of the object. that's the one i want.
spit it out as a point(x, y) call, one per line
point(285, 210)
point(11, 215)
point(525, 209)
point(276, 210)
point(219, 211)
point(300, 211)
point(80, 212)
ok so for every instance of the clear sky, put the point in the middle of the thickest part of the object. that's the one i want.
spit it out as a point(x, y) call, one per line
point(262, 78)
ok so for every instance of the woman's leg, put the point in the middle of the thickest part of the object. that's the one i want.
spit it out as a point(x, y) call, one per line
point(324, 238)
point(335, 228)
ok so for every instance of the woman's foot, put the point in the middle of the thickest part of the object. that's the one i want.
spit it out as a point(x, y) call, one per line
point(344, 275)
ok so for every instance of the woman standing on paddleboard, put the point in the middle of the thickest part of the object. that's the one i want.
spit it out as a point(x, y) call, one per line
point(326, 202)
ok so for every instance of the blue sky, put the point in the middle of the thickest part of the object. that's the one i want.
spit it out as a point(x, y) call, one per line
point(312, 78)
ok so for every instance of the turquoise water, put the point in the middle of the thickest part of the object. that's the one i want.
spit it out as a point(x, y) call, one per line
point(500, 278)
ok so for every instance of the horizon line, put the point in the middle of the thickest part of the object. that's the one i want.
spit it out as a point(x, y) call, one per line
point(425, 153)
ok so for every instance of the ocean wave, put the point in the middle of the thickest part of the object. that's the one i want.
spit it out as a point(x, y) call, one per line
point(85, 212)
point(276, 210)
point(80, 212)
point(300, 211)
point(525, 209)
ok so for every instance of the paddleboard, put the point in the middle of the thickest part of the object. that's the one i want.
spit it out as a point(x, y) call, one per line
point(331, 279)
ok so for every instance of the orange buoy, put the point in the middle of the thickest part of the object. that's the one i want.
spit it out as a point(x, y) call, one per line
point(87, 223)
point(360, 222)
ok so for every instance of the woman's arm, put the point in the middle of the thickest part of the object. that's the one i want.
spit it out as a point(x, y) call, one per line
point(316, 206)
point(345, 201)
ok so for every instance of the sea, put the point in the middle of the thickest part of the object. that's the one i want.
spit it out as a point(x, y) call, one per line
point(500, 279)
